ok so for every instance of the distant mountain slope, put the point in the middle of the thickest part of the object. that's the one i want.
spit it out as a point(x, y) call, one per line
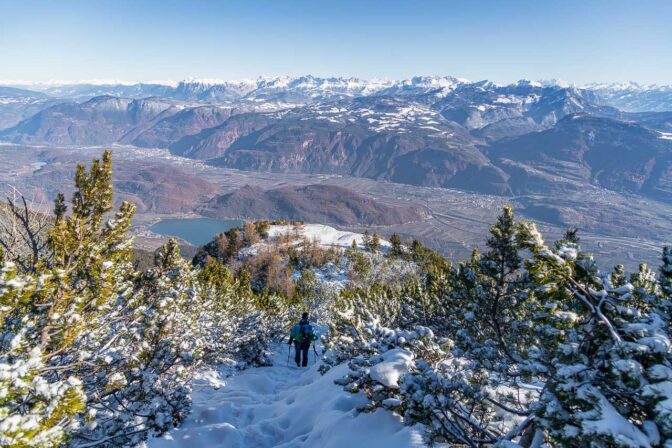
point(213, 142)
point(152, 186)
point(503, 111)
point(161, 188)
point(661, 121)
point(378, 138)
point(12, 92)
point(633, 97)
point(87, 90)
point(100, 121)
point(19, 104)
point(311, 203)
point(617, 155)
point(173, 128)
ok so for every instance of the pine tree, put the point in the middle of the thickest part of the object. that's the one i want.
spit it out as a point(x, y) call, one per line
point(375, 243)
point(366, 241)
point(492, 290)
point(618, 278)
point(396, 248)
point(65, 306)
point(359, 265)
point(645, 288)
point(571, 236)
point(605, 382)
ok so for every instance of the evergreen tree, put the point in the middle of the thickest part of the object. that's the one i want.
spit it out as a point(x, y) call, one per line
point(366, 241)
point(37, 408)
point(66, 305)
point(601, 349)
point(375, 243)
point(493, 292)
point(618, 277)
point(359, 264)
point(396, 248)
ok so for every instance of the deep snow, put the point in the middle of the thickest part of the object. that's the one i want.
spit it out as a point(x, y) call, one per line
point(282, 406)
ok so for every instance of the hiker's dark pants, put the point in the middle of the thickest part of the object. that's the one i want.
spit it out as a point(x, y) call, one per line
point(301, 349)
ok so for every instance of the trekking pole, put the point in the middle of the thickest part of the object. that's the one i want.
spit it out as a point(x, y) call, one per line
point(289, 352)
point(314, 351)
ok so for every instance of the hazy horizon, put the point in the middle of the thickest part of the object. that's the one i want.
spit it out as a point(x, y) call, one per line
point(45, 84)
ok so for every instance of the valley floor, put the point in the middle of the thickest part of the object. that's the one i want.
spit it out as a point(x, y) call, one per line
point(616, 228)
point(284, 406)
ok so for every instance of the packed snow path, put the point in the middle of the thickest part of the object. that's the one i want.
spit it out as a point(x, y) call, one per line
point(282, 406)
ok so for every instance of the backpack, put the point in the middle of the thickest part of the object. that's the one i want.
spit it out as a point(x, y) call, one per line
point(303, 331)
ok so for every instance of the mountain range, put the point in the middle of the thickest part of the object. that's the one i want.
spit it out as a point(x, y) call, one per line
point(517, 139)
point(629, 96)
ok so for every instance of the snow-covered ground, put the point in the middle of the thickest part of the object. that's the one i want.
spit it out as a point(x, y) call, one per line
point(327, 236)
point(283, 406)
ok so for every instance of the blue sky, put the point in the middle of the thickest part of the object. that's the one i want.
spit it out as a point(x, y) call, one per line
point(501, 40)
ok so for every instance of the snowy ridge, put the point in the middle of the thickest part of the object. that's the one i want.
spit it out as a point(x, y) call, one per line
point(331, 275)
point(347, 85)
point(327, 236)
point(308, 89)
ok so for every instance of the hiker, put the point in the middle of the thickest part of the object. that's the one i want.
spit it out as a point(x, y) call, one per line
point(302, 335)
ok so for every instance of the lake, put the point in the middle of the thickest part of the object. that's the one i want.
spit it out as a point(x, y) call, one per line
point(197, 231)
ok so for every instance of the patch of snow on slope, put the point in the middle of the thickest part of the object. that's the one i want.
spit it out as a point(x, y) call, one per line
point(327, 236)
point(282, 406)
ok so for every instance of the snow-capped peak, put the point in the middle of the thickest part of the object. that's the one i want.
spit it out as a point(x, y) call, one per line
point(527, 82)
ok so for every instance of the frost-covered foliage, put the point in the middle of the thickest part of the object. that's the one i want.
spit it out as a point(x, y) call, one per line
point(363, 325)
point(93, 353)
point(33, 410)
point(522, 345)
point(141, 373)
point(370, 268)
point(378, 355)
point(609, 365)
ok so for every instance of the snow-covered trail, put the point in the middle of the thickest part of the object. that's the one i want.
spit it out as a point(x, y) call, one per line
point(282, 406)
